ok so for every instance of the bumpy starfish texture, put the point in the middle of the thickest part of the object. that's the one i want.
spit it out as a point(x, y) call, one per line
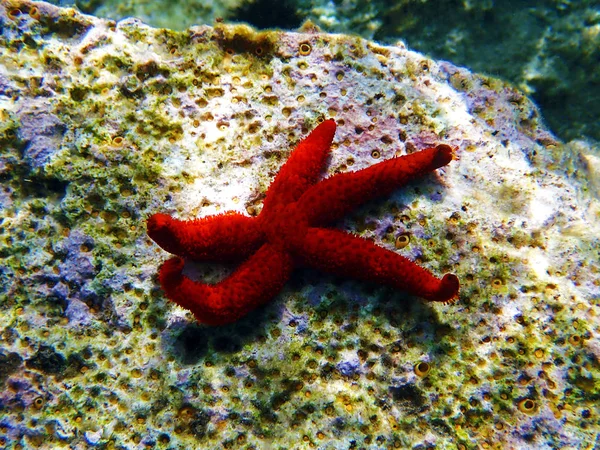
point(290, 231)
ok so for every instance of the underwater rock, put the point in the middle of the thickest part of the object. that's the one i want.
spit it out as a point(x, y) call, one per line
point(350, 366)
point(42, 134)
point(549, 49)
point(9, 363)
point(47, 360)
point(76, 268)
point(138, 120)
point(93, 437)
point(78, 313)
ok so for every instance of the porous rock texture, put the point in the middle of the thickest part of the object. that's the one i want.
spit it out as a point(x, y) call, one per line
point(104, 123)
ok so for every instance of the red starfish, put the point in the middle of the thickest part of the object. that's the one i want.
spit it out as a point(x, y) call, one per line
point(290, 231)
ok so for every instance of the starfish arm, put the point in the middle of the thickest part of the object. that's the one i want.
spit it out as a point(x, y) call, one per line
point(254, 283)
point(333, 197)
point(223, 237)
point(303, 168)
point(343, 254)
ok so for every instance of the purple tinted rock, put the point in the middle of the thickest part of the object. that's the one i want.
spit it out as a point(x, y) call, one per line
point(90, 296)
point(60, 291)
point(436, 197)
point(5, 198)
point(349, 366)
point(317, 294)
point(72, 244)
point(78, 313)
point(42, 133)
point(77, 269)
point(77, 266)
point(300, 323)
point(117, 280)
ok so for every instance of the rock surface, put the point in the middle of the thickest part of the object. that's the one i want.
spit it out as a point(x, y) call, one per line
point(549, 48)
point(133, 120)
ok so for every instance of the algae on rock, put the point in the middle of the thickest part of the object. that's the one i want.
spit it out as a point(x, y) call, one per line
point(105, 123)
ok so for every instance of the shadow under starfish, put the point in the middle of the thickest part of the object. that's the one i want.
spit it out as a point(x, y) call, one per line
point(291, 231)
